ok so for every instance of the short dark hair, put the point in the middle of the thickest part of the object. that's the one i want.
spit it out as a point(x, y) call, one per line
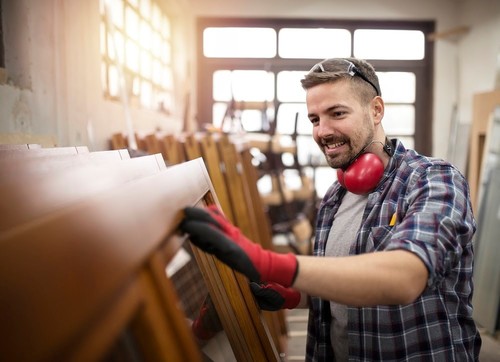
point(359, 71)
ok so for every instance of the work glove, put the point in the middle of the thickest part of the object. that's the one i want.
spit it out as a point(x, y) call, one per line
point(273, 297)
point(213, 233)
point(207, 324)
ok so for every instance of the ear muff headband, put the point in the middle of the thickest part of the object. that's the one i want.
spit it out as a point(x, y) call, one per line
point(365, 172)
point(363, 175)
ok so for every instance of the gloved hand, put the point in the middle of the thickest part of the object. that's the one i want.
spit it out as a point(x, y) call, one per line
point(273, 297)
point(207, 324)
point(213, 233)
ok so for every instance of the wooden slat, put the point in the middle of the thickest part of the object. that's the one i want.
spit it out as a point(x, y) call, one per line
point(118, 141)
point(47, 163)
point(171, 149)
point(244, 207)
point(40, 152)
point(25, 146)
point(217, 171)
point(233, 182)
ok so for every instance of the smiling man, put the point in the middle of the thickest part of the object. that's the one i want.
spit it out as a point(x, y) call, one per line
point(391, 274)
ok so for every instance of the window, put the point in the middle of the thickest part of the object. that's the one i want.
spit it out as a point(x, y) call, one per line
point(136, 53)
point(231, 42)
point(389, 44)
point(314, 43)
point(263, 60)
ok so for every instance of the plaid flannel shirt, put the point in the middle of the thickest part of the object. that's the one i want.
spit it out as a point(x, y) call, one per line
point(434, 220)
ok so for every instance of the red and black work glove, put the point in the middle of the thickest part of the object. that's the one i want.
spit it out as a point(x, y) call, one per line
point(273, 297)
point(207, 324)
point(213, 233)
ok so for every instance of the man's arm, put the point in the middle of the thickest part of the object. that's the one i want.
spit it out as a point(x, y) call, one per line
point(390, 277)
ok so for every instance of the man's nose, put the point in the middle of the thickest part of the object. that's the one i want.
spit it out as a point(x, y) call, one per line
point(323, 129)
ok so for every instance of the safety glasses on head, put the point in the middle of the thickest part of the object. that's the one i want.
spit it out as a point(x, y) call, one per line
point(351, 69)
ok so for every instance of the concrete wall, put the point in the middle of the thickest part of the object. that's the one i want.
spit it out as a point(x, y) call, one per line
point(52, 58)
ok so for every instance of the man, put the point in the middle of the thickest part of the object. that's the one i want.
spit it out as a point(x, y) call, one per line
point(391, 274)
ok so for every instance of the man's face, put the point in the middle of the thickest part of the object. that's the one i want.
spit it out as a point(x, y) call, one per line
point(341, 125)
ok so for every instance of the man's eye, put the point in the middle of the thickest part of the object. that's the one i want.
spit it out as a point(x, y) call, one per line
point(314, 121)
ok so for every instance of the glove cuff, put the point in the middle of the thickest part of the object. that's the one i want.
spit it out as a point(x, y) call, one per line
point(292, 299)
point(282, 269)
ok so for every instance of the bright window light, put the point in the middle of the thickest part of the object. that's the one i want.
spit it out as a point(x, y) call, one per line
point(314, 43)
point(239, 42)
point(389, 44)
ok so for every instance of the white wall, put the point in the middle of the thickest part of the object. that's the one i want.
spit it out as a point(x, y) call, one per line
point(52, 54)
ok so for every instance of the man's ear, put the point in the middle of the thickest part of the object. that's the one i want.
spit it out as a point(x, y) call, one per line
point(377, 108)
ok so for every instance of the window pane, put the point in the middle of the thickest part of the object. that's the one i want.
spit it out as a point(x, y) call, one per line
point(286, 119)
point(116, 46)
point(289, 88)
point(146, 64)
point(314, 43)
point(239, 42)
point(408, 142)
point(156, 44)
point(145, 8)
point(243, 85)
point(146, 94)
point(114, 81)
point(116, 12)
point(146, 35)
point(399, 119)
point(324, 178)
point(156, 17)
point(389, 44)
point(218, 111)
point(132, 23)
point(168, 79)
point(397, 87)
point(308, 151)
point(132, 56)
point(251, 120)
point(104, 76)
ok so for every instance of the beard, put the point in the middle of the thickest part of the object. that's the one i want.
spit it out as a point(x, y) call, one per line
point(358, 142)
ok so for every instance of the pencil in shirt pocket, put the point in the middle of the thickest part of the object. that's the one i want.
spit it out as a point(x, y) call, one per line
point(393, 220)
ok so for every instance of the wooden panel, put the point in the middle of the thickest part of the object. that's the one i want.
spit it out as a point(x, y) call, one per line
point(47, 163)
point(84, 279)
point(483, 106)
point(61, 272)
point(48, 187)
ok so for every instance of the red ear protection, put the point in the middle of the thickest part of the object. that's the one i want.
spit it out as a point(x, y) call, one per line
point(363, 175)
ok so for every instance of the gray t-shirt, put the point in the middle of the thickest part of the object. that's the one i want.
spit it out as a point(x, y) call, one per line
point(342, 235)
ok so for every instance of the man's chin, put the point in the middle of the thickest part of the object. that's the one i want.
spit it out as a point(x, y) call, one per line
point(335, 162)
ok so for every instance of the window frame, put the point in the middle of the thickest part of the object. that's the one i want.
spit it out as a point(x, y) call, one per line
point(423, 69)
